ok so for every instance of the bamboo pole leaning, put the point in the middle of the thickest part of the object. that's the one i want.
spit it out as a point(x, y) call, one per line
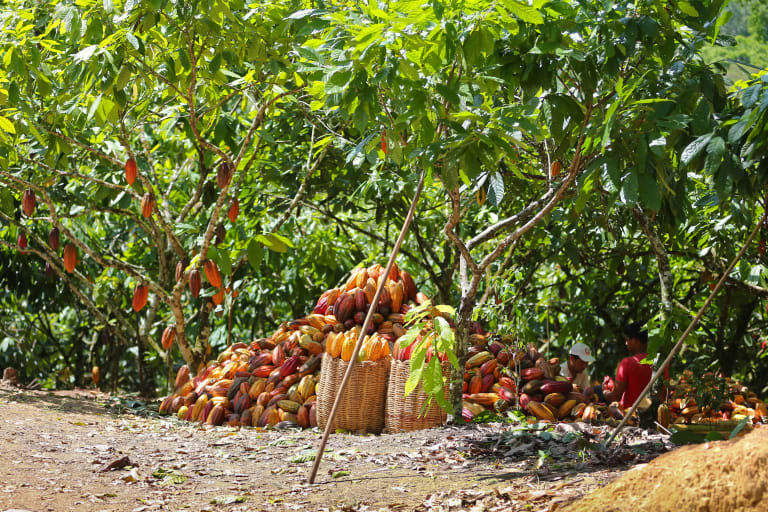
point(364, 329)
point(685, 334)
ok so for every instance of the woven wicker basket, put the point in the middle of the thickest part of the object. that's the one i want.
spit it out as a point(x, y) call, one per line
point(404, 413)
point(361, 406)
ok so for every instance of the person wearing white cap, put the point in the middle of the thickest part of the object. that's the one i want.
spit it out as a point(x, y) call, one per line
point(575, 368)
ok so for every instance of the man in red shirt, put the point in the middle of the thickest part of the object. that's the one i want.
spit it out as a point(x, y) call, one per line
point(631, 376)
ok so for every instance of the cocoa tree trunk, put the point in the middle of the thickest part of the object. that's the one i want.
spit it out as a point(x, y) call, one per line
point(463, 323)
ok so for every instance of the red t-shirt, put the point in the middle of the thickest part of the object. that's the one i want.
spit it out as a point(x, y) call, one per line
point(636, 376)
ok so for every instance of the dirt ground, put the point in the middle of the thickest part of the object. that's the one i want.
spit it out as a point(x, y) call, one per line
point(87, 451)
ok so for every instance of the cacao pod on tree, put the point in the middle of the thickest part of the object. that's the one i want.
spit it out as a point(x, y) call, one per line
point(180, 266)
point(130, 171)
point(53, 238)
point(194, 282)
point(140, 296)
point(95, 375)
point(169, 335)
point(70, 257)
point(218, 297)
point(22, 241)
point(147, 205)
point(212, 273)
point(554, 169)
point(28, 202)
point(224, 174)
point(234, 210)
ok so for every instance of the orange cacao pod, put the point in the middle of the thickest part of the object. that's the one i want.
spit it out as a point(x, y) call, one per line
point(218, 297)
point(394, 272)
point(140, 296)
point(130, 171)
point(396, 294)
point(554, 169)
point(70, 257)
point(95, 375)
point(147, 205)
point(169, 335)
point(28, 202)
point(194, 282)
point(361, 278)
point(212, 273)
point(182, 376)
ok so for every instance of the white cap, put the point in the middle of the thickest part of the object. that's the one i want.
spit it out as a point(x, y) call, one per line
point(582, 352)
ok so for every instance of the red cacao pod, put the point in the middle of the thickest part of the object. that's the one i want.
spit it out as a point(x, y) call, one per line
point(234, 211)
point(140, 296)
point(130, 171)
point(194, 282)
point(22, 241)
point(28, 202)
point(70, 257)
point(53, 238)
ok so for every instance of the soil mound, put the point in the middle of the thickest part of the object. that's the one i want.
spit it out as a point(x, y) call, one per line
point(712, 477)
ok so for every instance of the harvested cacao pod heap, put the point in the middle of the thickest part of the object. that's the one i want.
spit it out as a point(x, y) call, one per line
point(264, 383)
point(272, 381)
point(694, 401)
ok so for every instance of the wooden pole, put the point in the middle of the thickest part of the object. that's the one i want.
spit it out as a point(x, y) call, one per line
point(685, 334)
point(364, 329)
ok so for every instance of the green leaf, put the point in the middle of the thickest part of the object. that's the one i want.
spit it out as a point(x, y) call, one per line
point(255, 254)
point(629, 186)
point(433, 377)
point(694, 148)
point(526, 13)
point(649, 192)
point(409, 337)
point(304, 13)
point(715, 152)
point(7, 126)
point(738, 428)
point(449, 172)
point(339, 474)
point(495, 189)
point(609, 116)
point(413, 379)
point(274, 242)
point(442, 327)
point(687, 8)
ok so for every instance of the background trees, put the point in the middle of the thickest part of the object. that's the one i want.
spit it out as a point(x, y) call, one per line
point(569, 148)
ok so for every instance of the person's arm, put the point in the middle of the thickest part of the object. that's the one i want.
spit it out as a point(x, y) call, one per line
point(619, 387)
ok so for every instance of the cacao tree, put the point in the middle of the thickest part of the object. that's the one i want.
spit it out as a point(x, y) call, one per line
point(526, 107)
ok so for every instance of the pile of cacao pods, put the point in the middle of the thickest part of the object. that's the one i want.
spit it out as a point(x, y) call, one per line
point(682, 408)
point(272, 380)
point(496, 371)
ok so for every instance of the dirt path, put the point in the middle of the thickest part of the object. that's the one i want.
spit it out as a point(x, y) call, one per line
point(55, 447)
